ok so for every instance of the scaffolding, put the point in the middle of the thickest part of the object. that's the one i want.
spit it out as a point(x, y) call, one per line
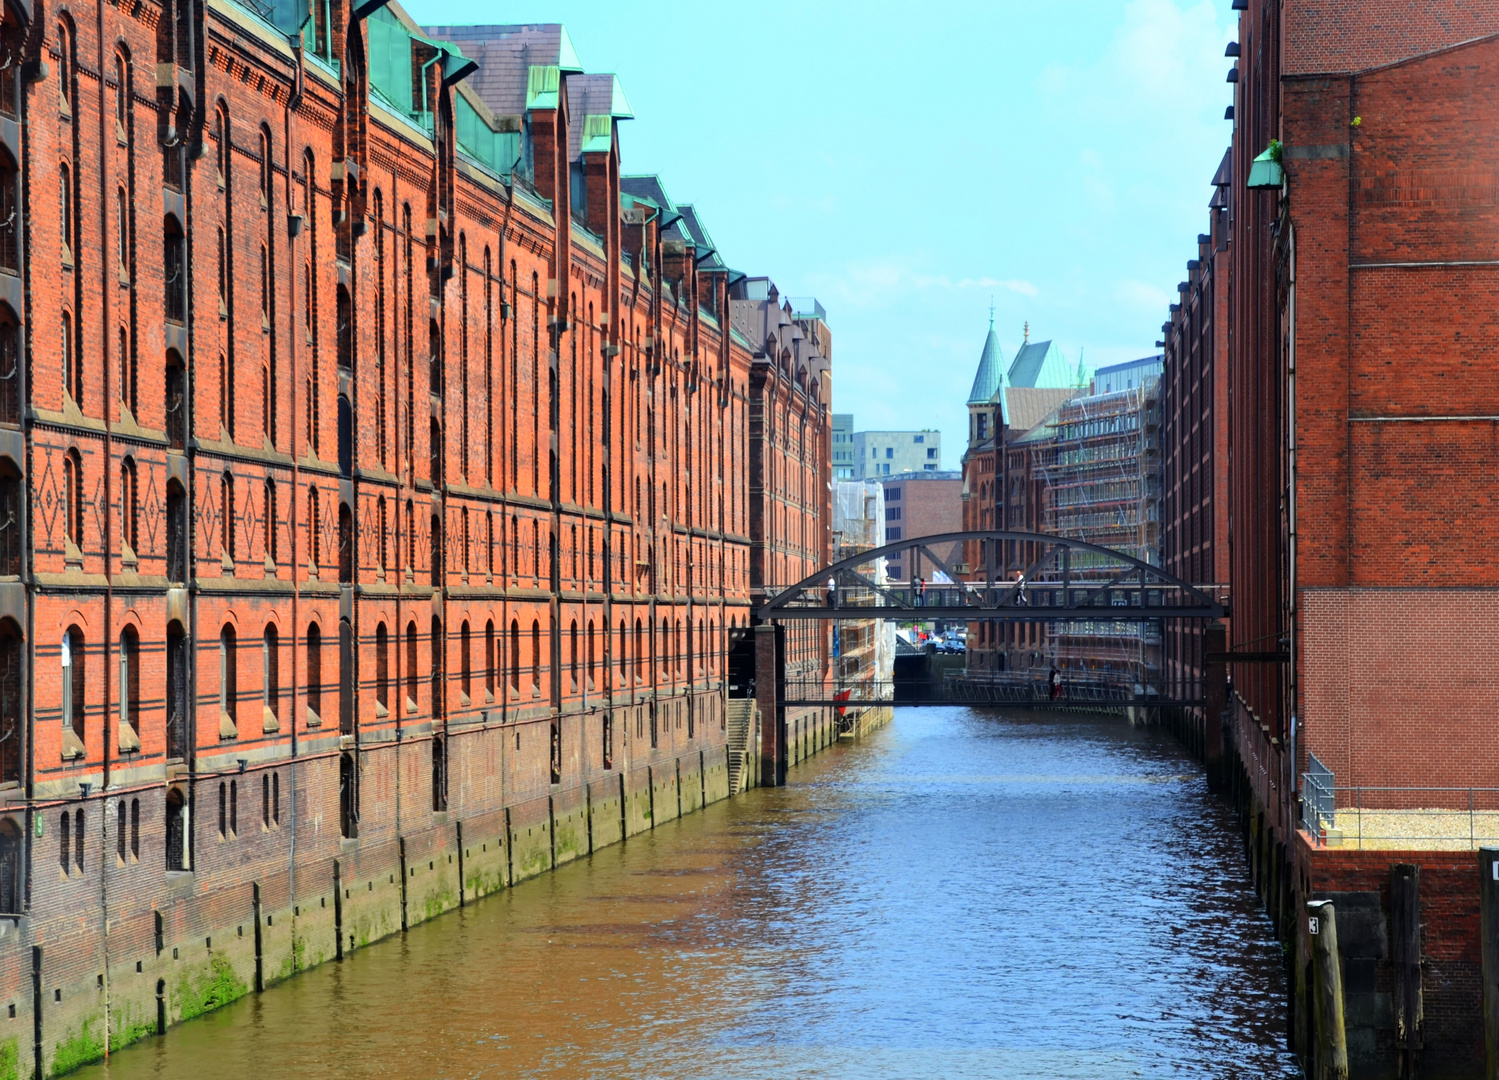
point(1099, 462)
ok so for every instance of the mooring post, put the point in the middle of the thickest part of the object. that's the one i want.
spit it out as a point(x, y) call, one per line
point(1488, 930)
point(769, 692)
point(1215, 701)
point(1327, 991)
point(1405, 937)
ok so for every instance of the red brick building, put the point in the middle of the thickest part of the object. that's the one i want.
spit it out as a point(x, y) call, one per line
point(1194, 440)
point(376, 494)
point(1361, 418)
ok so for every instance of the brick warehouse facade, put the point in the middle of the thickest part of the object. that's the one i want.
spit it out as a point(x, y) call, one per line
point(1361, 408)
point(377, 504)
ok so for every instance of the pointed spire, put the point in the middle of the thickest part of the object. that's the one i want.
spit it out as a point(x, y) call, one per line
point(1027, 331)
point(991, 369)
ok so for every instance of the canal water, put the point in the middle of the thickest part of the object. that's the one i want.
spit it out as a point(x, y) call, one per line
point(962, 894)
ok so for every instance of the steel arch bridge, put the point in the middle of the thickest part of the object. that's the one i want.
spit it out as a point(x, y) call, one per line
point(1069, 580)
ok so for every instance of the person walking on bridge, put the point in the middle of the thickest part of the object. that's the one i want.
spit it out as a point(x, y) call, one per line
point(921, 592)
point(1056, 683)
point(832, 592)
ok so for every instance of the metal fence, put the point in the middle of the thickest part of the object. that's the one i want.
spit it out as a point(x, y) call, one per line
point(1418, 818)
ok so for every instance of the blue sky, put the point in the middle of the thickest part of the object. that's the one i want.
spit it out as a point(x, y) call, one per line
point(904, 163)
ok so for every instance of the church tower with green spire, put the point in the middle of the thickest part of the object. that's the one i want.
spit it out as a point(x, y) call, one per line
point(988, 385)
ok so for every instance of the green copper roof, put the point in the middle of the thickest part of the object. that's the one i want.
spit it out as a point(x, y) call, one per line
point(986, 382)
point(1040, 363)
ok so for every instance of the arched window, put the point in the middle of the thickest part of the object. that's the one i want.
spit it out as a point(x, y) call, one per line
point(12, 898)
point(464, 660)
point(175, 271)
point(129, 507)
point(639, 651)
point(73, 683)
point(412, 679)
point(314, 675)
point(436, 449)
point(434, 357)
point(592, 655)
point(73, 493)
point(227, 521)
point(177, 701)
point(535, 655)
point(345, 436)
point(176, 834)
point(514, 655)
point(439, 670)
point(491, 661)
point(437, 551)
point(265, 165)
point(176, 397)
point(270, 664)
point(623, 659)
point(10, 368)
point(383, 549)
point(228, 682)
point(176, 533)
point(10, 703)
point(410, 537)
point(344, 311)
point(664, 659)
point(272, 521)
point(72, 370)
point(10, 211)
point(382, 667)
point(345, 677)
point(345, 544)
point(130, 686)
point(314, 527)
point(122, 232)
point(65, 211)
point(573, 656)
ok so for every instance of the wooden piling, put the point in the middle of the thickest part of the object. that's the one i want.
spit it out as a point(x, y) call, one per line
point(1488, 930)
point(1405, 939)
point(1331, 1062)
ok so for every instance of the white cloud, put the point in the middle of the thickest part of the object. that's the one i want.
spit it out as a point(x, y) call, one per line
point(876, 282)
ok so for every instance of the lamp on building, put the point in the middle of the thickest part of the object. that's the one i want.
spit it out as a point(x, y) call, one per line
point(1265, 170)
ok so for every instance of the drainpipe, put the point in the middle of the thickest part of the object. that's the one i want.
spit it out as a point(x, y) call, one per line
point(1290, 787)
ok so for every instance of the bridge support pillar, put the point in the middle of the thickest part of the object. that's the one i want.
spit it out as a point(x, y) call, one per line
point(1215, 703)
point(770, 692)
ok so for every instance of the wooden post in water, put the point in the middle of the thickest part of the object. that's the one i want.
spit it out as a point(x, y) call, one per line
point(1405, 937)
point(1488, 911)
point(1215, 702)
point(1327, 992)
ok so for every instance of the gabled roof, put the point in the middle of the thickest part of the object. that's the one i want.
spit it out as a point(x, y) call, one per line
point(1027, 406)
point(594, 102)
point(651, 188)
point(1040, 363)
point(990, 373)
point(707, 251)
point(519, 66)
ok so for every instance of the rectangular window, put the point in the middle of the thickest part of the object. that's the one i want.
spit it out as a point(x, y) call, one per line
point(892, 534)
point(931, 452)
point(889, 452)
point(892, 494)
point(919, 439)
point(892, 513)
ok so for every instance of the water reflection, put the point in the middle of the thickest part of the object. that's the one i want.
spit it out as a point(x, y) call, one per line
point(963, 895)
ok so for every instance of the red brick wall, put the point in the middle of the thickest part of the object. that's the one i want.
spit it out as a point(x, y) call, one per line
point(648, 513)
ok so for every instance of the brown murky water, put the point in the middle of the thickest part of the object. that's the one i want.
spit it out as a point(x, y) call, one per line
point(964, 894)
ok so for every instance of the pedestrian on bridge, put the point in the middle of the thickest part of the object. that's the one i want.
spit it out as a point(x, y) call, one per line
point(832, 593)
point(1056, 683)
point(921, 592)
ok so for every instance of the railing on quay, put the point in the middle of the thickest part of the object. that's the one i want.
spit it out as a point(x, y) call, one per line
point(1429, 818)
